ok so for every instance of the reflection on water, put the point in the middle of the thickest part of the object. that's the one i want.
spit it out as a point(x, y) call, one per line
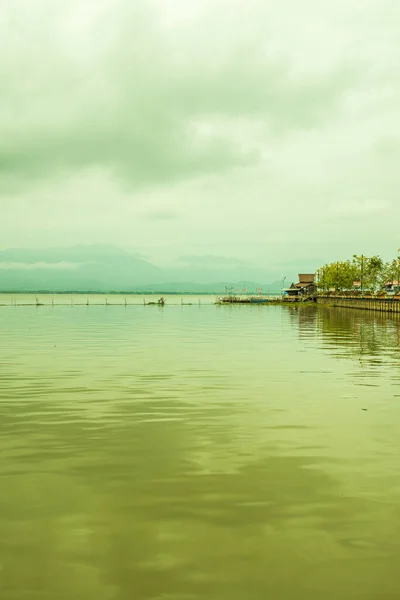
point(351, 333)
point(361, 333)
point(221, 453)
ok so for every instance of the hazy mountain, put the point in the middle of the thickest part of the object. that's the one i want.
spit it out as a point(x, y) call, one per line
point(108, 268)
point(186, 287)
point(80, 268)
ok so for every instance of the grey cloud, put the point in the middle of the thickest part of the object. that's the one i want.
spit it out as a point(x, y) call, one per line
point(122, 91)
point(257, 124)
point(161, 215)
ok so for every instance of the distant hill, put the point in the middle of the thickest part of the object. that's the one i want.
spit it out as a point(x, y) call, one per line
point(80, 268)
point(103, 268)
point(210, 288)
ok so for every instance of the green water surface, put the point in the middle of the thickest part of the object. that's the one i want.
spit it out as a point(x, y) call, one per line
point(199, 452)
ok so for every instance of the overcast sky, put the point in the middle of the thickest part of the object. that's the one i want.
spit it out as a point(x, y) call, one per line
point(263, 131)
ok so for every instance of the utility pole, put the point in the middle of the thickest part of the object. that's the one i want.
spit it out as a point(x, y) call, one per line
point(398, 270)
point(337, 277)
point(362, 257)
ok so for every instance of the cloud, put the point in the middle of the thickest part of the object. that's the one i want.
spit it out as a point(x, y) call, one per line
point(360, 207)
point(212, 127)
point(162, 214)
point(118, 85)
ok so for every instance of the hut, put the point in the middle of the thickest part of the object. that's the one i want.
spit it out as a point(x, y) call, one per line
point(304, 288)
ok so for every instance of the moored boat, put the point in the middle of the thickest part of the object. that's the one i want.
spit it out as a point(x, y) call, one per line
point(241, 300)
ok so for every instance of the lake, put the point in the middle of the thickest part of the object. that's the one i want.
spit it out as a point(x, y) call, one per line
point(198, 452)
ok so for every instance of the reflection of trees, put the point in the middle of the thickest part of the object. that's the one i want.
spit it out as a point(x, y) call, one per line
point(360, 333)
point(350, 332)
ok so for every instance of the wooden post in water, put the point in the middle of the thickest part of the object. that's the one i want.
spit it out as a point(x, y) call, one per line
point(87, 301)
point(144, 301)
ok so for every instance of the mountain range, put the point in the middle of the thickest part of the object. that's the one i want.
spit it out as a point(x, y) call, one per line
point(103, 268)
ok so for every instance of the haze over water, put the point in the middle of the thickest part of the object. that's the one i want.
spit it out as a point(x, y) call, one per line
point(199, 452)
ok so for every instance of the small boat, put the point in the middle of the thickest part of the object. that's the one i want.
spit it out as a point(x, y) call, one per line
point(240, 300)
point(256, 300)
point(160, 302)
point(232, 298)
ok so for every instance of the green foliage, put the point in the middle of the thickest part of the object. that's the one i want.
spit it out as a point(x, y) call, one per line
point(372, 273)
point(338, 276)
point(393, 270)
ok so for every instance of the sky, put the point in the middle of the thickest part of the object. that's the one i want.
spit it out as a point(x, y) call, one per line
point(263, 132)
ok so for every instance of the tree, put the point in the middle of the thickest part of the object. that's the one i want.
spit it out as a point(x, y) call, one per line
point(392, 271)
point(372, 273)
point(336, 276)
point(374, 269)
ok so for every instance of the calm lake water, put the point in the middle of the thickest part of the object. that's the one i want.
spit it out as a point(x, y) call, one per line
point(199, 452)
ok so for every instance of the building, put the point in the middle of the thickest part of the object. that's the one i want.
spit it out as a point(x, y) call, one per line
point(392, 286)
point(304, 288)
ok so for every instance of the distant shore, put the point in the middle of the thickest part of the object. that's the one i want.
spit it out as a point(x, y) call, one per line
point(109, 293)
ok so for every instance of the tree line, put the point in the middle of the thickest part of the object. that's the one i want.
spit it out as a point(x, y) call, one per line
point(361, 272)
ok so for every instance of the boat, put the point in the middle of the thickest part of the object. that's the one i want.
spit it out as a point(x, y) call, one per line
point(160, 302)
point(231, 298)
point(258, 300)
point(241, 300)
